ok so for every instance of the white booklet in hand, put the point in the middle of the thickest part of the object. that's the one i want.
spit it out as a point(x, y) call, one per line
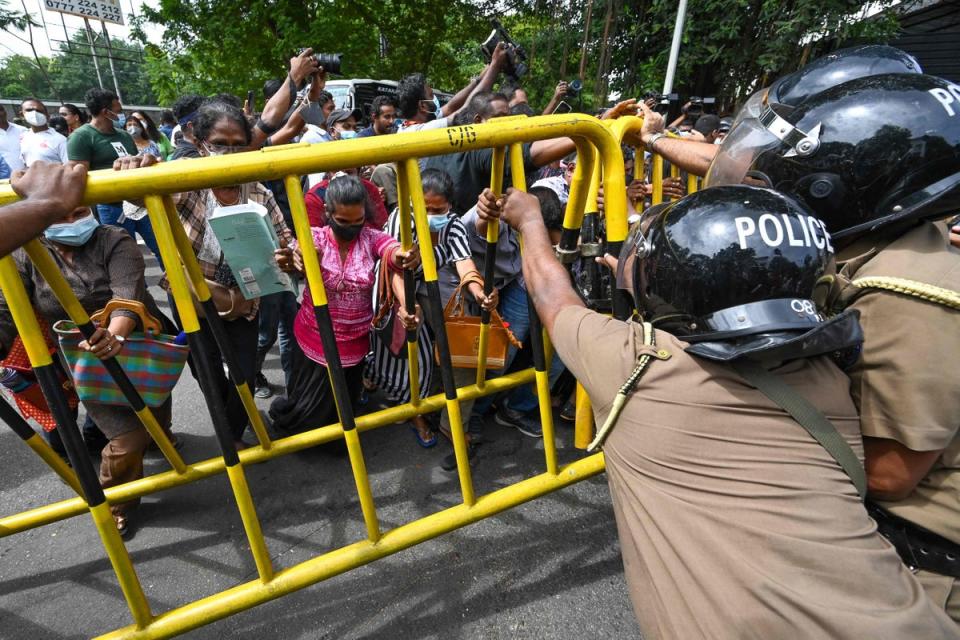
point(248, 240)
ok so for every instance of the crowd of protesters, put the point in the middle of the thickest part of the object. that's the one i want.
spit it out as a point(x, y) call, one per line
point(356, 229)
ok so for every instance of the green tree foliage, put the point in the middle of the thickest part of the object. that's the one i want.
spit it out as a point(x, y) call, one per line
point(20, 77)
point(10, 19)
point(72, 73)
point(730, 47)
point(211, 46)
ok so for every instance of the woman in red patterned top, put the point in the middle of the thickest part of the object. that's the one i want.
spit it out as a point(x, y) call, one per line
point(348, 249)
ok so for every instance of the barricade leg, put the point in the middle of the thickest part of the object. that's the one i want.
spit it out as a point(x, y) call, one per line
point(206, 371)
point(61, 288)
point(409, 173)
point(43, 367)
point(489, 265)
point(409, 293)
point(33, 440)
point(518, 176)
point(338, 380)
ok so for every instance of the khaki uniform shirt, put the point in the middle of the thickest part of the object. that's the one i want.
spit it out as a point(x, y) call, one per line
point(734, 522)
point(907, 382)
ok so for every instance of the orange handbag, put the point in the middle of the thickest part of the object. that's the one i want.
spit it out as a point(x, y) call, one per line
point(463, 333)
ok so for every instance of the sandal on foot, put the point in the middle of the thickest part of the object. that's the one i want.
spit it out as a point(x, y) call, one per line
point(426, 443)
point(123, 525)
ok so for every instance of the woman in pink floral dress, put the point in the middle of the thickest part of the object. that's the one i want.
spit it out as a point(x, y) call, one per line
point(348, 251)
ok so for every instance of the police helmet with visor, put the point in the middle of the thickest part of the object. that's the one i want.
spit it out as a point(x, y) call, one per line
point(828, 71)
point(863, 155)
point(731, 266)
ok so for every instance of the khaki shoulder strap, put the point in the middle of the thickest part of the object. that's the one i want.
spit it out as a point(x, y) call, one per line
point(921, 290)
point(808, 416)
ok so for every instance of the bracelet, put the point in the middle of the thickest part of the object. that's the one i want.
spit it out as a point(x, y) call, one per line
point(654, 139)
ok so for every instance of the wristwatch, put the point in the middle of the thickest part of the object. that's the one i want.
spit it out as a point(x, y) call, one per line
point(653, 140)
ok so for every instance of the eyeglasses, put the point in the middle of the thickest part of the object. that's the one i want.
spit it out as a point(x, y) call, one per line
point(223, 149)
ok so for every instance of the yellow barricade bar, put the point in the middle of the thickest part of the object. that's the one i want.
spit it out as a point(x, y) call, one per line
point(155, 184)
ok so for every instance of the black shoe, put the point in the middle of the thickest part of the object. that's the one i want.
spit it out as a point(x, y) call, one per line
point(261, 387)
point(525, 423)
point(449, 463)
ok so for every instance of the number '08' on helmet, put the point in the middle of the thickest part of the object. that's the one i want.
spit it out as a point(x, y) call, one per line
point(726, 262)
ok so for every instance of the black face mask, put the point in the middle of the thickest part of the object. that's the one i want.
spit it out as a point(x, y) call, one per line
point(346, 232)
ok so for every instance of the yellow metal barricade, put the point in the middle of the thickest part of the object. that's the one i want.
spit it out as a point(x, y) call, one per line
point(599, 154)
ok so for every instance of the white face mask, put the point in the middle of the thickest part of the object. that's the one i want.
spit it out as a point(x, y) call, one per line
point(35, 118)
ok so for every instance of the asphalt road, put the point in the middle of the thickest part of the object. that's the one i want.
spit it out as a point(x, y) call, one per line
point(547, 569)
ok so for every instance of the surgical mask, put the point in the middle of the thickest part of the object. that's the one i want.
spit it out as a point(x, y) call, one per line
point(437, 223)
point(347, 135)
point(75, 233)
point(35, 118)
point(436, 104)
point(120, 123)
point(346, 232)
point(136, 132)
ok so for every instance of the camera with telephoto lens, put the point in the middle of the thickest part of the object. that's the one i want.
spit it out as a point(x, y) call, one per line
point(516, 57)
point(329, 61)
point(574, 87)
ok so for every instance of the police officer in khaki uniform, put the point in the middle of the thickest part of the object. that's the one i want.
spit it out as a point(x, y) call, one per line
point(878, 160)
point(735, 522)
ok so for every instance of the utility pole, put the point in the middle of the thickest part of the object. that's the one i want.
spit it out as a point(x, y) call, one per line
point(116, 82)
point(675, 47)
point(93, 52)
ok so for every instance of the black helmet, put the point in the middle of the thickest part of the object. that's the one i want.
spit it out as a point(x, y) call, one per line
point(862, 155)
point(829, 71)
point(839, 67)
point(727, 263)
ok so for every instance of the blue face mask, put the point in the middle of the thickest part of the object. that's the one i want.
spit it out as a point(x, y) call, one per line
point(120, 122)
point(437, 222)
point(75, 233)
point(437, 110)
point(347, 135)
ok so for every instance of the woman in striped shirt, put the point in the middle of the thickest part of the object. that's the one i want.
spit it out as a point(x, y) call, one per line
point(448, 237)
point(348, 250)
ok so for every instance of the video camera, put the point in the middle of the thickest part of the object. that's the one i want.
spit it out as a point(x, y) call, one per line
point(661, 103)
point(574, 87)
point(700, 105)
point(516, 56)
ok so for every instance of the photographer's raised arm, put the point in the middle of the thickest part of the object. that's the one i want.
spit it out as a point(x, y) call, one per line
point(483, 83)
point(49, 192)
point(558, 95)
point(271, 120)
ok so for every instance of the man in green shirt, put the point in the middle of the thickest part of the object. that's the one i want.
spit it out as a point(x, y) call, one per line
point(101, 141)
point(97, 145)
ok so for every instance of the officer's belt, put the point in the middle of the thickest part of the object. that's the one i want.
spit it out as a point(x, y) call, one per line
point(919, 548)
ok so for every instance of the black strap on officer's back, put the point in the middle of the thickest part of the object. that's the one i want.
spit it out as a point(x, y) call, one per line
point(808, 416)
